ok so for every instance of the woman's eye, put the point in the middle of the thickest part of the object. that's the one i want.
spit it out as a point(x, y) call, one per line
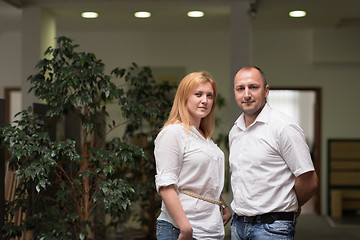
point(198, 94)
point(210, 96)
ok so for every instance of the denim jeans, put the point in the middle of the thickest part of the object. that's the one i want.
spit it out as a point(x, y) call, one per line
point(166, 231)
point(280, 229)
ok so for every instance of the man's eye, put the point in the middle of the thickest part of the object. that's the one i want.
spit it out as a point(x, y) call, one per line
point(239, 89)
point(253, 87)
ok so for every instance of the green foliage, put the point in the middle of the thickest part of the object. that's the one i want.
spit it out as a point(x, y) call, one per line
point(154, 102)
point(63, 191)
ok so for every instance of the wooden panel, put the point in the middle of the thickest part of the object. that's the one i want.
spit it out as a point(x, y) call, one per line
point(345, 164)
point(336, 204)
point(344, 178)
point(353, 194)
point(351, 204)
point(345, 149)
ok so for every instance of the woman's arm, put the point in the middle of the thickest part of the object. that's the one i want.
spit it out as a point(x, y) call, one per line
point(172, 202)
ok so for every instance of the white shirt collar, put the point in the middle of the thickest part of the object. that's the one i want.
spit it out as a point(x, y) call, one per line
point(262, 117)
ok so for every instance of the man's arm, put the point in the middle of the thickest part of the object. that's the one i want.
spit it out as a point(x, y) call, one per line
point(305, 186)
point(226, 212)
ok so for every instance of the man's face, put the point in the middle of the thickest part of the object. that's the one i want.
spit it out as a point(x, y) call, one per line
point(250, 92)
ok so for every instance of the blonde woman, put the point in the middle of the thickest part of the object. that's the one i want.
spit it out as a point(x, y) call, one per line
point(190, 166)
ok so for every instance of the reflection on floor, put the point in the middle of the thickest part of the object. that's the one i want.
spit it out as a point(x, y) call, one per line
point(311, 227)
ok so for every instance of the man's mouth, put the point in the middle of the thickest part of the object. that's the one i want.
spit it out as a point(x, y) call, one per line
point(247, 102)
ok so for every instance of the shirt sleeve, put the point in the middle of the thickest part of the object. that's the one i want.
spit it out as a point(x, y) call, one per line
point(294, 150)
point(169, 148)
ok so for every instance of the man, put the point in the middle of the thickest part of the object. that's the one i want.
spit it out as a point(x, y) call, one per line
point(272, 174)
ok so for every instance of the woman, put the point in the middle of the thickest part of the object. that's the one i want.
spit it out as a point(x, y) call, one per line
point(190, 167)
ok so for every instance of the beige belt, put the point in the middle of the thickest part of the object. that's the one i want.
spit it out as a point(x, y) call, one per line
point(222, 206)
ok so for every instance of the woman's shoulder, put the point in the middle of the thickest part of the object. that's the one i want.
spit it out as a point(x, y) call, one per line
point(175, 129)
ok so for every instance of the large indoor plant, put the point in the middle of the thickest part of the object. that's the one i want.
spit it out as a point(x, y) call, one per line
point(157, 99)
point(66, 186)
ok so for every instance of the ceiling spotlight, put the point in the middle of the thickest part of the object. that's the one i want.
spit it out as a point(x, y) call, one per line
point(142, 14)
point(89, 14)
point(297, 13)
point(195, 14)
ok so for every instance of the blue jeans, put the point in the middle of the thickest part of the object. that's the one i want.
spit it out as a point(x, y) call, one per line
point(280, 229)
point(167, 231)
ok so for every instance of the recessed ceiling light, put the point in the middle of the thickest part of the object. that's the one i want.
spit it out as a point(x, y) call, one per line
point(297, 13)
point(89, 14)
point(195, 14)
point(142, 14)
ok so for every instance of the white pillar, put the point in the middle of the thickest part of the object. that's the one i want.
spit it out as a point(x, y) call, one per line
point(39, 32)
point(240, 46)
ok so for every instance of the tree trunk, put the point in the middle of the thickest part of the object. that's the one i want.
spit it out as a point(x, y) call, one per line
point(86, 204)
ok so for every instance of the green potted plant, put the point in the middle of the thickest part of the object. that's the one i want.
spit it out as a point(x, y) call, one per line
point(65, 187)
point(156, 99)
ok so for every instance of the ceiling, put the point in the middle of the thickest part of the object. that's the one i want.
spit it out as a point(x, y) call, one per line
point(170, 15)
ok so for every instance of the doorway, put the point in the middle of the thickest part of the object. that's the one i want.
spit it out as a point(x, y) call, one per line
point(304, 105)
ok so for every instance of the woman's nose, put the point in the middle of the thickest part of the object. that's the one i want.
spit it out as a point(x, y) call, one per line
point(204, 99)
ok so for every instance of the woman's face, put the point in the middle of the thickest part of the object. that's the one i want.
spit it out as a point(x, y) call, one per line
point(200, 102)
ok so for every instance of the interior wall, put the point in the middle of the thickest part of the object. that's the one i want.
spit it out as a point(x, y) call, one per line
point(10, 60)
point(193, 51)
point(287, 60)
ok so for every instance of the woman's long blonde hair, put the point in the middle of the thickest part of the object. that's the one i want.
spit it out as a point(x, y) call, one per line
point(179, 112)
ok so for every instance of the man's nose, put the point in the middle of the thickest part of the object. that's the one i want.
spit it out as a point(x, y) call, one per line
point(247, 92)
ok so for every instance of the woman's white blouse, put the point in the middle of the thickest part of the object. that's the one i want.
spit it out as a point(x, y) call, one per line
point(195, 164)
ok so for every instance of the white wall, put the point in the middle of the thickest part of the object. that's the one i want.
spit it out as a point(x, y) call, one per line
point(287, 58)
point(194, 51)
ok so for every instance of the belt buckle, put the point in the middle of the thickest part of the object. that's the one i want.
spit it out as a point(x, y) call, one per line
point(250, 219)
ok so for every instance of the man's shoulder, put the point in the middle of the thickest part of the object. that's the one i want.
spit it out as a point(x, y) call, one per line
point(281, 118)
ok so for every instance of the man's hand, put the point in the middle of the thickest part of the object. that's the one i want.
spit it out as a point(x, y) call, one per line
point(298, 212)
point(226, 215)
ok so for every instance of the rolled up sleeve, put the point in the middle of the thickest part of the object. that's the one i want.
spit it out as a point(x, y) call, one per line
point(168, 152)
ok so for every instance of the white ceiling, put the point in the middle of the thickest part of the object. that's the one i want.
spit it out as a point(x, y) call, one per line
point(170, 15)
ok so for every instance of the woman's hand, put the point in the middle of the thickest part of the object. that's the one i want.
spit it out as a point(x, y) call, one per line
point(172, 202)
point(186, 234)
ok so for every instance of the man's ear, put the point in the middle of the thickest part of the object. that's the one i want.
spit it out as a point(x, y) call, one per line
point(267, 88)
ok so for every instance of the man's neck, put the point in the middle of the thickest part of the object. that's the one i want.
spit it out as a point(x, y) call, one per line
point(250, 118)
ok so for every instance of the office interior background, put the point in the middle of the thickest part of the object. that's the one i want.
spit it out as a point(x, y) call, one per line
point(317, 54)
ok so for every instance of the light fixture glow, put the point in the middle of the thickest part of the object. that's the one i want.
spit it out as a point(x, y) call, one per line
point(142, 14)
point(89, 14)
point(297, 13)
point(195, 14)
